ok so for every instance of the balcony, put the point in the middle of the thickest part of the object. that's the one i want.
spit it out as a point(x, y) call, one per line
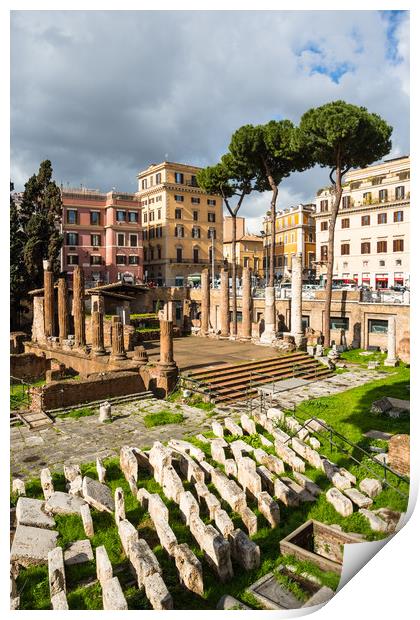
point(190, 261)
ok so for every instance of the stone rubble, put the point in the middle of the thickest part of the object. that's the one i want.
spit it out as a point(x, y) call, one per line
point(98, 495)
point(371, 487)
point(31, 512)
point(46, 483)
point(112, 595)
point(342, 504)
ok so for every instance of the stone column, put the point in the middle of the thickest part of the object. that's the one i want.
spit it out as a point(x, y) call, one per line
point(296, 303)
point(166, 358)
point(269, 333)
point(63, 309)
point(224, 303)
point(391, 359)
point(98, 347)
point(38, 328)
point(117, 339)
point(246, 303)
point(205, 302)
point(48, 299)
point(79, 307)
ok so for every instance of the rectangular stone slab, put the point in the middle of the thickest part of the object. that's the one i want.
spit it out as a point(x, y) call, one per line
point(64, 504)
point(98, 495)
point(31, 545)
point(31, 512)
point(78, 552)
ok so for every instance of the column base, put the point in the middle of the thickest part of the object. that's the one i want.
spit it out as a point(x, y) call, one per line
point(269, 335)
point(99, 353)
point(391, 363)
point(118, 358)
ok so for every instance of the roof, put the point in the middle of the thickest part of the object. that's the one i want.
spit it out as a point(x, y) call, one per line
point(246, 237)
point(117, 288)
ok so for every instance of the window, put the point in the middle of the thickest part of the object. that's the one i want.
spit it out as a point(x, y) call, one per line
point(151, 216)
point(398, 216)
point(345, 222)
point(305, 322)
point(323, 206)
point(382, 218)
point(179, 198)
point(144, 233)
point(211, 202)
point(71, 216)
point(381, 263)
point(324, 253)
point(381, 247)
point(95, 259)
point(133, 260)
point(120, 239)
point(383, 195)
point(158, 232)
point(179, 231)
point(398, 245)
point(211, 233)
point(133, 241)
point(121, 216)
point(95, 240)
point(339, 322)
point(324, 225)
point(367, 198)
point(196, 233)
point(398, 262)
point(179, 255)
point(194, 181)
point(145, 217)
point(346, 202)
point(95, 218)
point(179, 281)
point(365, 247)
point(152, 233)
point(144, 184)
point(195, 200)
point(195, 216)
point(158, 178)
point(211, 217)
point(400, 192)
point(152, 253)
point(121, 259)
point(195, 255)
point(159, 252)
point(179, 177)
point(377, 326)
point(159, 214)
point(72, 239)
point(178, 214)
point(72, 259)
point(365, 220)
point(345, 249)
point(133, 216)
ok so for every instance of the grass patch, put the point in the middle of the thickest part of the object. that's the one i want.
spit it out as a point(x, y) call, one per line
point(83, 412)
point(161, 418)
point(19, 398)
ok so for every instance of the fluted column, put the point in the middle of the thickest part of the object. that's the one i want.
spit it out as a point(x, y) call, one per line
point(166, 344)
point(246, 303)
point(48, 299)
point(63, 309)
point(296, 303)
point(117, 339)
point(224, 303)
point(205, 302)
point(79, 307)
point(98, 347)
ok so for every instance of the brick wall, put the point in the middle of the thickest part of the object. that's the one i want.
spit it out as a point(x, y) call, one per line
point(97, 387)
point(28, 366)
point(399, 454)
point(16, 342)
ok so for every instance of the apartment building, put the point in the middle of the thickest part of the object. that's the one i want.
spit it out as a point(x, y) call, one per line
point(295, 233)
point(182, 225)
point(371, 244)
point(102, 234)
point(249, 247)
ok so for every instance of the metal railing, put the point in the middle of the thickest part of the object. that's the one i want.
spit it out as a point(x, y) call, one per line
point(20, 394)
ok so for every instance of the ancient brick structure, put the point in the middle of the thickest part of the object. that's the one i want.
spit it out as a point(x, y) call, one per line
point(63, 309)
point(117, 339)
point(399, 454)
point(79, 307)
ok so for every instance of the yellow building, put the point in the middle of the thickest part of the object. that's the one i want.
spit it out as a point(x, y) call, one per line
point(295, 233)
point(180, 222)
point(249, 248)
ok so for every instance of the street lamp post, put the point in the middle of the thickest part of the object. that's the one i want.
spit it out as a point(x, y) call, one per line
point(265, 237)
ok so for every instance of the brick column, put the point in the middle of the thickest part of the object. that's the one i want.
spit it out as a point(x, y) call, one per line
point(117, 339)
point(48, 299)
point(63, 309)
point(98, 347)
point(79, 307)
point(391, 359)
point(205, 302)
point(224, 303)
point(246, 303)
point(296, 303)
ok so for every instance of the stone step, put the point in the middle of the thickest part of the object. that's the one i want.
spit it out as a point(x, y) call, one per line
point(113, 401)
point(211, 370)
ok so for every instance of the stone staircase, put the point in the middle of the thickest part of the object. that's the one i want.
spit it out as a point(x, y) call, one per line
point(233, 382)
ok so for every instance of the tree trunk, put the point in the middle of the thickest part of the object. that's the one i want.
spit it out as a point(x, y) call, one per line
point(330, 258)
point(234, 302)
point(273, 228)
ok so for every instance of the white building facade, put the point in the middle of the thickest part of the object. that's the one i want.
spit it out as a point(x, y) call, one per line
point(371, 244)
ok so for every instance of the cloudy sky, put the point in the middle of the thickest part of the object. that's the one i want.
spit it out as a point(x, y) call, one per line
point(103, 94)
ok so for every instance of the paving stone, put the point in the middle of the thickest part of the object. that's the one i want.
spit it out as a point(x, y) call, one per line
point(31, 545)
point(31, 512)
point(78, 552)
point(63, 504)
point(98, 495)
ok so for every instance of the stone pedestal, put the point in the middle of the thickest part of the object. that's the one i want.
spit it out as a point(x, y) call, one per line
point(246, 303)
point(166, 359)
point(105, 412)
point(98, 347)
point(48, 300)
point(79, 307)
point(296, 304)
point(63, 309)
point(140, 355)
point(224, 304)
point(391, 359)
point(269, 333)
point(117, 339)
point(205, 302)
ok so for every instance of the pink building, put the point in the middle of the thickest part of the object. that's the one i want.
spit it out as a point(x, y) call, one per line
point(102, 234)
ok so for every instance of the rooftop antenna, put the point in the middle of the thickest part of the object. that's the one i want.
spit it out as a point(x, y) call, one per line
point(166, 156)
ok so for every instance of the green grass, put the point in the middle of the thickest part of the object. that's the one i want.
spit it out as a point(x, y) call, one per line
point(79, 413)
point(161, 418)
point(19, 394)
